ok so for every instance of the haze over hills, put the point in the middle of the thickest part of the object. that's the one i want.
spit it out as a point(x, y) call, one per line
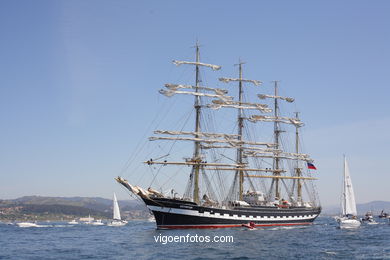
point(375, 206)
point(40, 207)
point(71, 207)
point(95, 203)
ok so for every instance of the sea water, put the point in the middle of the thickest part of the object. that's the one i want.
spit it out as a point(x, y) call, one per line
point(137, 240)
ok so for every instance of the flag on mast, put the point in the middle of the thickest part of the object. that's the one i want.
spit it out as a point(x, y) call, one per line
point(311, 166)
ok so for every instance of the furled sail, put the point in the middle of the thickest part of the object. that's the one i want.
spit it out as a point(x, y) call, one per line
point(214, 67)
point(227, 80)
point(175, 87)
point(285, 120)
point(191, 162)
point(226, 136)
point(217, 104)
point(170, 93)
point(283, 155)
point(288, 99)
point(211, 141)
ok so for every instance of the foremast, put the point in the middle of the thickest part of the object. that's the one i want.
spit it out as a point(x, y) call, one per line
point(198, 136)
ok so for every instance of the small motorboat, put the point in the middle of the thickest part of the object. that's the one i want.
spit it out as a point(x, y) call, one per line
point(97, 222)
point(27, 224)
point(250, 225)
point(368, 218)
point(117, 223)
point(73, 222)
point(384, 215)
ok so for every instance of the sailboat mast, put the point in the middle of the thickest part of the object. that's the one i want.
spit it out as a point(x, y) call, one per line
point(197, 107)
point(276, 134)
point(240, 127)
point(297, 169)
point(344, 195)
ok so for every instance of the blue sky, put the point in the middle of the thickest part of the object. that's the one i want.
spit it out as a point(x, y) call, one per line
point(79, 82)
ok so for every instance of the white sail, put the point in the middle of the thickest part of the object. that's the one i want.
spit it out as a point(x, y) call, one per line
point(210, 141)
point(117, 214)
point(175, 87)
point(288, 99)
point(280, 119)
point(170, 93)
point(255, 82)
point(349, 204)
point(267, 153)
point(217, 104)
point(179, 62)
point(167, 132)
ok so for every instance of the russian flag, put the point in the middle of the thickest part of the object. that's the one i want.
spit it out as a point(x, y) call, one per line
point(311, 166)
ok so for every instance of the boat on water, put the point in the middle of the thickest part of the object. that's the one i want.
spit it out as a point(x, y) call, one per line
point(384, 214)
point(248, 171)
point(27, 224)
point(91, 221)
point(369, 218)
point(87, 220)
point(73, 222)
point(250, 225)
point(117, 221)
point(97, 222)
point(348, 219)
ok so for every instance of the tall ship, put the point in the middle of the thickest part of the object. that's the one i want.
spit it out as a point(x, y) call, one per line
point(239, 161)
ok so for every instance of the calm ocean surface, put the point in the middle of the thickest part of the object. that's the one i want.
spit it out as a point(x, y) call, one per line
point(137, 241)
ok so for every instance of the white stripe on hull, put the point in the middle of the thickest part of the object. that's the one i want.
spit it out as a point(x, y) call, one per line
point(217, 215)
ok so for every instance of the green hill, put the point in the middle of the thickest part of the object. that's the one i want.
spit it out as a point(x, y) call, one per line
point(57, 208)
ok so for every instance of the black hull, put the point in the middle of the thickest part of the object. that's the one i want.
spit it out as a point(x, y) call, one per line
point(178, 214)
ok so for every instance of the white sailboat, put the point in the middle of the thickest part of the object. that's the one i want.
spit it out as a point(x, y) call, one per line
point(348, 204)
point(117, 221)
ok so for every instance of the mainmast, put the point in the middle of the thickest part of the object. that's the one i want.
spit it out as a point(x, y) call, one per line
point(240, 127)
point(197, 157)
point(241, 105)
point(276, 141)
